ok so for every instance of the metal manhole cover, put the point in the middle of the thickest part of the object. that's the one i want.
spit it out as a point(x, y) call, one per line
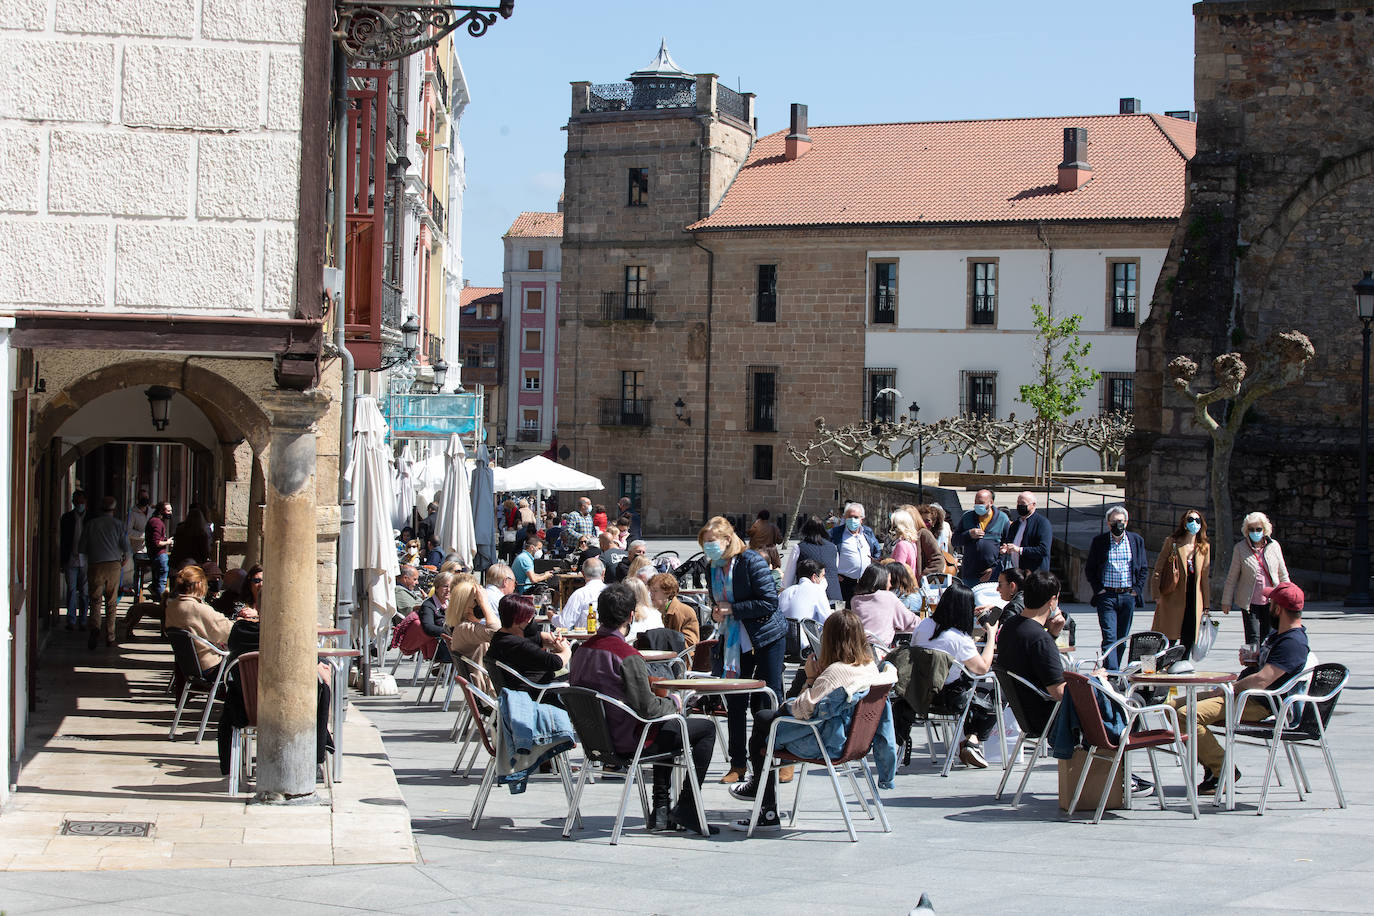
point(107, 828)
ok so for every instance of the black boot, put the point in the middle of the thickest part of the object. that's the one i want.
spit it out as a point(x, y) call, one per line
point(684, 816)
point(659, 816)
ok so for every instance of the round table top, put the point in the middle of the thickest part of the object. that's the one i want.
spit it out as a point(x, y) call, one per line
point(658, 655)
point(330, 632)
point(338, 653)
point(1164, 678)
point(577, 635)
point(711, 684)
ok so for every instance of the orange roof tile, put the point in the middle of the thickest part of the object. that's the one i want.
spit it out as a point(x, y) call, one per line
point(961, 171)
point(470, 294)
point(536, 225)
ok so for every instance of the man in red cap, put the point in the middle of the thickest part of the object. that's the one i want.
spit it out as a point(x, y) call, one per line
point(1281, 656)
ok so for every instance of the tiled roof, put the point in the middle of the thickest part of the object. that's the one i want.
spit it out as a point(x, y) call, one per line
point(537, 225)
point(961, 171)
point(471, 294)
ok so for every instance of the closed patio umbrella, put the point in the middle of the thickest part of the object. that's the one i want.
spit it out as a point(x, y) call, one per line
point(404, 512)
point(370, 474)
point(483, 511)
point(455, 505)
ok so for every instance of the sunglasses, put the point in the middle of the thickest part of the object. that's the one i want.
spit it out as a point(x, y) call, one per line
point(1192, 518)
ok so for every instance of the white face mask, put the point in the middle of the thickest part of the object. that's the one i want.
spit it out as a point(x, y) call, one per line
point(537, 554)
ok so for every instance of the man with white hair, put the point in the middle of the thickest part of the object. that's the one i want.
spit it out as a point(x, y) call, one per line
point(857, 548)
point(500, 580)
point(1116, 571)
point(622, 567)
point(573, 616)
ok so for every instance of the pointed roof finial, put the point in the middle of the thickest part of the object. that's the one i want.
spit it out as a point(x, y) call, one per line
point(662, 64)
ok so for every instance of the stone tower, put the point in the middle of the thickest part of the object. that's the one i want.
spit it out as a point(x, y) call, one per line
point(645, 159)
point(1279, 224)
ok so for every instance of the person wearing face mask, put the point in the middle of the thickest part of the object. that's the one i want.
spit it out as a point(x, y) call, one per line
point(158, 536)
point(1116, 571)
point(1256, 566)
point(857, 547)
point(69, 527)
point(979, 535)
point(525, 576)
point(1027, 542)
point(745, 594)
point(136, 523)
point(1181, 580)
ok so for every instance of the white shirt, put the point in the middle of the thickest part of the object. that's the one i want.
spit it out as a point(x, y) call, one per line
point(653, 620)
point(494, 596)
point(854, 554)
point(573, 616)
point(957, 644)
point(804, 601)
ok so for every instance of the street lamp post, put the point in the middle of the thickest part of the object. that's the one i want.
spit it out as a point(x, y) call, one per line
point(1358, 596)
point(920, 451)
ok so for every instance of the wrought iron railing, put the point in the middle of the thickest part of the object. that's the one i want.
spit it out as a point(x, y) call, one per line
point(626, 411)
point(392, 306)
point(434, 348)
point(984, 309)
point(442, 80)
point(436, 209)
point(730, 102)
point(527, 434)
point(622, 306)
point(648, 95)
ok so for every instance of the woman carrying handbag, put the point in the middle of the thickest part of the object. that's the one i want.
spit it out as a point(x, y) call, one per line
point(1182, 580)
point(1256, 566)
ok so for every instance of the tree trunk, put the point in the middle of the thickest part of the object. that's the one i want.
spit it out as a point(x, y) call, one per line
point(796, 506)
point(1223, 444)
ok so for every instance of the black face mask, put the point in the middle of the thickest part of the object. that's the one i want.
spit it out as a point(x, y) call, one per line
point(143, 503)
point(1023, 510)
point(1118, 528)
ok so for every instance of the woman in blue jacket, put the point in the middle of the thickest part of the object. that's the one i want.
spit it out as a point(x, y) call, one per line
point(745, 593)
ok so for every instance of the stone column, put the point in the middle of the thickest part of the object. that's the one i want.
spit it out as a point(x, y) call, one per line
point(290, 597)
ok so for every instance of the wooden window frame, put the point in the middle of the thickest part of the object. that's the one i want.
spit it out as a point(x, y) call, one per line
point(533, 255)
point(525, 340)
point(528, 374)
point(538, 293)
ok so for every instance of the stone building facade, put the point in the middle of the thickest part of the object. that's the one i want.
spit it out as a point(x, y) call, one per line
point(1278, 227)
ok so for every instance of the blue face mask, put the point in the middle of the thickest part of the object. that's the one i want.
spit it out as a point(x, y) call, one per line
point(1256, 536)
point(714, 551)
point(853, 524)
point(980, 510)
point(1193, 527)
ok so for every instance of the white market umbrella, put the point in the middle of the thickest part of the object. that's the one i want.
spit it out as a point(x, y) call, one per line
point(375, 548)
point(455, 505)
point(539, 473)
point(404, 511)
point(483, 511)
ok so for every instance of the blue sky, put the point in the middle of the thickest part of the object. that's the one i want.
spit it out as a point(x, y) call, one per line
point(851, 63)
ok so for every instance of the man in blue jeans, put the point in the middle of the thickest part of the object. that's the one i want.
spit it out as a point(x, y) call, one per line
point(159, 538)
point(1116, 570)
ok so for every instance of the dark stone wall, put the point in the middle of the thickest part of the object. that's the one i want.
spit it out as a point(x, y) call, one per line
point(1278, 225)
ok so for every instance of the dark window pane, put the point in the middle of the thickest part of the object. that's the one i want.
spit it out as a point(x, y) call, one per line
point(763, 462)
point(767, 295)
point(885, 293)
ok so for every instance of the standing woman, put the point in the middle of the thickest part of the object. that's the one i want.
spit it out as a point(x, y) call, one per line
point(1181, 580)
point(1256, 566)
point(916, 545)
point(815, 545)
point(745, 591)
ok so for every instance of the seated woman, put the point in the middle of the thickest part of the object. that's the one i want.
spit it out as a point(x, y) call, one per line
point(676, 614)
point(846, 664)
point(882, 612)
point(950, 630)
point(469, 616)
point(432, 613)
point(904, 585)
point(647, 617)
point(187, 610)
point(510, 646)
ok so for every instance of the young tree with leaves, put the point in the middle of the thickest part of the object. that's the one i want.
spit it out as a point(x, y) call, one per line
point(1062, 378)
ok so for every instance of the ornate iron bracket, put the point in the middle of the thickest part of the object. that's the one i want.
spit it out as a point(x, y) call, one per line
point(382, 30)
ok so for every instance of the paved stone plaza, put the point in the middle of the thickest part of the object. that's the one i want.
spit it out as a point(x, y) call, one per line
point(950, 839)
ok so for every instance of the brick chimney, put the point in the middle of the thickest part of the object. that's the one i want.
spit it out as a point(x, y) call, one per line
point(1074, 171)
point(797, 141)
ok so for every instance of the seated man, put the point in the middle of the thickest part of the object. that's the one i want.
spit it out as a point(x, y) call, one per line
point(510, 646)
point(608, 664)
point(1282, 656)
point(611, 553)
point(807, 600)
point(523, 567)
point(434, 555)
point(500, 580)
point(573, 616)
point(408, 594)
point(1026, 647)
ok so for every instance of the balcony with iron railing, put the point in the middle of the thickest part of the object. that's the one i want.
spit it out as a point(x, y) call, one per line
point(393, 305)
point(436, 209)
point(626, 412)
point(442, 79)
point(623, 306)
point(528, 434)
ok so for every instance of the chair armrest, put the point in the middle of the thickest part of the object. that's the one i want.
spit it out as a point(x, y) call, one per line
point(222, 653)
point(667, 717)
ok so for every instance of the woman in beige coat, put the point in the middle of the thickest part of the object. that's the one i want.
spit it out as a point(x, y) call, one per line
point(1178, 613)
point(1256, 564)
point(187, 609)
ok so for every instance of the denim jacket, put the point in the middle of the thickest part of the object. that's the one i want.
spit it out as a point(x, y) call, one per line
point(530, 734)
point(832, 716)
point(1065, 730)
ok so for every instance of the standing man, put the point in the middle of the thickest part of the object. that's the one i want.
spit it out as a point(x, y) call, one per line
point(979, 535)
point(1116, 571)
point(626, 509)
point(136, 523)
point(74, 561)
point(579, 524)
point(1027, 541)
point(158, 537)
point(857, 548)
point(106, 545)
